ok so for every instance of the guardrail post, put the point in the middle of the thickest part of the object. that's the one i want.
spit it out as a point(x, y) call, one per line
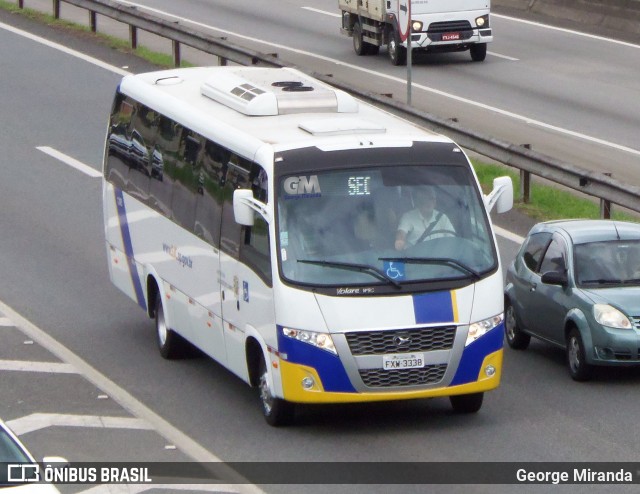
point(605, 206)
point(93, 21)
point(525, 186)
point(56, 9)
point(133, 37)
point(21, 4)
point(176, 53)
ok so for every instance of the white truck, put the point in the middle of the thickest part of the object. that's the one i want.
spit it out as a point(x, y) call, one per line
point(435, 26)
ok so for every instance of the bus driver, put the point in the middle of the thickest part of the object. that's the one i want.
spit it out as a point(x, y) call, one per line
point(422, 222)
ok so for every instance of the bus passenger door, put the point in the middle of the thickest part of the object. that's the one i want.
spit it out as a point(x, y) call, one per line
point(245, 270)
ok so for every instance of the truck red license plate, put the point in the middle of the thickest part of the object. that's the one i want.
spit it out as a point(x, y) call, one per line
point(450, 36)
point(403, 361)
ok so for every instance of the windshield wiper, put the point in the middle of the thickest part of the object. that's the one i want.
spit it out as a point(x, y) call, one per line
point(601, 281)
point(445, 261)
point(362, 268)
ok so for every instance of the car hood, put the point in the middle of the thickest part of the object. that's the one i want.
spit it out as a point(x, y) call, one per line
point(626, 299)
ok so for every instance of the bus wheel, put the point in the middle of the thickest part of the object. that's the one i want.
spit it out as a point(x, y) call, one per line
point(478, 52)
point(470, 403)
point(171, 344)
point(276, 411)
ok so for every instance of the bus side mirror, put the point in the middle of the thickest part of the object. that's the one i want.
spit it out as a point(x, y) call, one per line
point(501, 196)
point(242, 210)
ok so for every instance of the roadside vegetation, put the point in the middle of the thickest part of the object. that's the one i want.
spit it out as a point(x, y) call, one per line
point(546, 202)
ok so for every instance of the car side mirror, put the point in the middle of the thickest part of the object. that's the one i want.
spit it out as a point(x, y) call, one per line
point(555, 278)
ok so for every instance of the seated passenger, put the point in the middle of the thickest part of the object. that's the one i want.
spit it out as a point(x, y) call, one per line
point(422, 223)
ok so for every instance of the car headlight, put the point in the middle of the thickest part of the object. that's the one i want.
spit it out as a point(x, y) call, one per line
point(482, 21)
point(416, 26)
point(611, 317)
point(477, 329)
point(318, 340)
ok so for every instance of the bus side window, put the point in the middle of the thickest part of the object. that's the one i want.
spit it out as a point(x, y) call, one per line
point(211, 171)
point(118, 144)
point(163, 165)
point(186, 180)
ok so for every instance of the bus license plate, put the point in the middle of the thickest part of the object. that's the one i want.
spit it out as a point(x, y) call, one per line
point(450, 36)
point(403, 361)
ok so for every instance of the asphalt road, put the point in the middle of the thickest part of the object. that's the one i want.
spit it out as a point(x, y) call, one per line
point(53, 272)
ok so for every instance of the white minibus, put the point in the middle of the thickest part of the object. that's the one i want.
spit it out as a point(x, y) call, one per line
point(319, 248)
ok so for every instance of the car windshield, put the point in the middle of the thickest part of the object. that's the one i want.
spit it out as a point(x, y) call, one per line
point(383, 225)
point(607, 263)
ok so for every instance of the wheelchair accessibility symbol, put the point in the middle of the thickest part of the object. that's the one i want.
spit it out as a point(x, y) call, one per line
point(394, 270)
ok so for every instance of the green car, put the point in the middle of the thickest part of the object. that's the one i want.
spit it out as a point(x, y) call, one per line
point(576, 284)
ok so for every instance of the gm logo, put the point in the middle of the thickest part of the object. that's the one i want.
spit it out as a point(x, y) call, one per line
point(23, 472)
point(302, 186)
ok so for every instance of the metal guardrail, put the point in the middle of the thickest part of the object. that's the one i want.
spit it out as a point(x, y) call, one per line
point(529, 162)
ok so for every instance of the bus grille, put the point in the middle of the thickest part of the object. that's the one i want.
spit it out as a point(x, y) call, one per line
point(379, 378)
point(395, 341)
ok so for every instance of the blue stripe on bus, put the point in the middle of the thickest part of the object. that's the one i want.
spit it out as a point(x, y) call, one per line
point(433, 307)
point(128, 247)
point(473, 355)
point(329, 367)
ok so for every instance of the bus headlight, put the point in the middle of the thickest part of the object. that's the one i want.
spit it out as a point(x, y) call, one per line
point(318, 340)
point(610, 317)
point(477, 329)
point(482, 21)
point(416, 26)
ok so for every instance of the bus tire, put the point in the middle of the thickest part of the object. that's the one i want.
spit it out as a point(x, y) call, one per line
point(470, 403)
point(277, 412)
point(478, 52)
point(171, 344)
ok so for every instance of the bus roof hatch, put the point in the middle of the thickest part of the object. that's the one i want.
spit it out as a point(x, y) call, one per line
point(260, 92)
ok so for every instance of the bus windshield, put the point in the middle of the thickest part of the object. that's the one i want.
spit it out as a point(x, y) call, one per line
point(390, 225)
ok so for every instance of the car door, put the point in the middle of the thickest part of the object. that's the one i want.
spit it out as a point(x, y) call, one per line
point(526, 276)
point(548, 303)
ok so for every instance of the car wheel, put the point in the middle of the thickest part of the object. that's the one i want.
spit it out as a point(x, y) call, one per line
point(514, 335)
point(276, 411)
point(470, 403)
point(171, 344)
point(579, 369)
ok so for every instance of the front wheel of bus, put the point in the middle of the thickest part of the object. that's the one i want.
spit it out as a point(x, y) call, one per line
point(170, 344)
point(276, 411)
point(470, 403)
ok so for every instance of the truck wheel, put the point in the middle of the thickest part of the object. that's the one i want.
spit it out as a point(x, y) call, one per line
point(397, 52)
point(276, 411)
point(478, 52)
point(360, 46)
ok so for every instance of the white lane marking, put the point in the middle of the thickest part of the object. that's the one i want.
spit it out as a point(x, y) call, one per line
point(568, 31)
point(508, 235)
point(138, 409)
point(6, 322)
point(333, 14)
point(374, 73)
point(68, 160)
point(64, 49)
point(38, 421)
point(28, 366)
point(138, 488)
